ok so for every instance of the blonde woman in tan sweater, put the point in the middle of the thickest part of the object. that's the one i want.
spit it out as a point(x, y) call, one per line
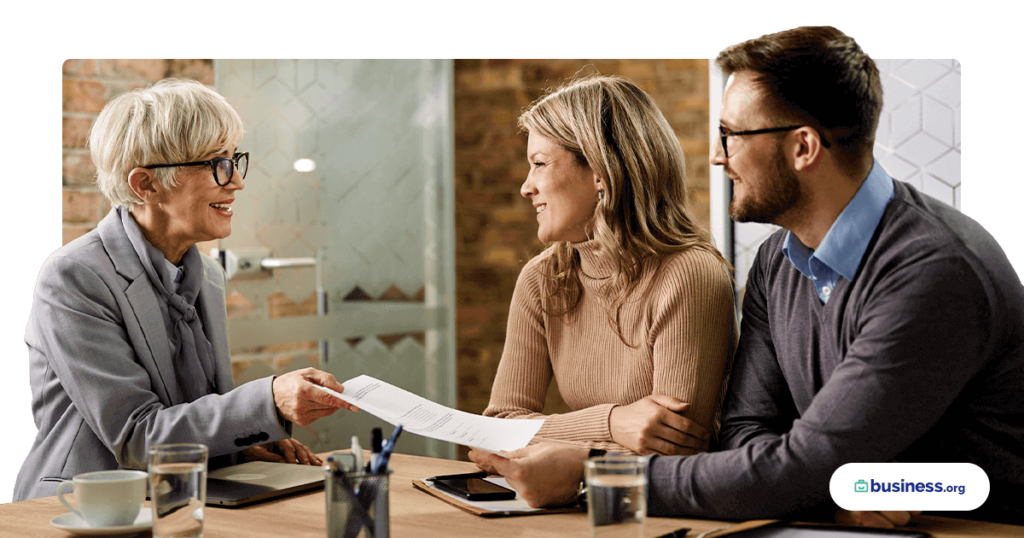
point(630, 308)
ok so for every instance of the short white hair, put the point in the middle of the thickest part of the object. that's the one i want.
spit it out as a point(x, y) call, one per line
point(172, 121)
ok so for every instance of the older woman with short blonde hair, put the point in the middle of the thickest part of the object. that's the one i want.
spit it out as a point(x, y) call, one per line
point(630, 308)
point(127, 337)
point(173, 121)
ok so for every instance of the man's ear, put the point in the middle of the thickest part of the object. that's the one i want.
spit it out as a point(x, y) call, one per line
point(808, 151)
point(145, 185)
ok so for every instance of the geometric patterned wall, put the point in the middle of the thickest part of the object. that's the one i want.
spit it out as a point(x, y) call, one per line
point(917, 141)
point(364, 202)
point(369, 211)
point(746, 238)
point(918, 136)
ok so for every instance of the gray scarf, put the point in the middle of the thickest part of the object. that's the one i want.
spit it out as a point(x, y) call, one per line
point(194, 361)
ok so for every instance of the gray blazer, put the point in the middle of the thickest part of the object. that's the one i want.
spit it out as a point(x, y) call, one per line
point(103, 387)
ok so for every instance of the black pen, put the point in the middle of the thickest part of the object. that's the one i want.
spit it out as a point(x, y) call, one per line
point(381, 464)
point(467, 476)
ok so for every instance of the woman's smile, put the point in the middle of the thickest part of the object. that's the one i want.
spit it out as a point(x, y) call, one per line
point(563, 191)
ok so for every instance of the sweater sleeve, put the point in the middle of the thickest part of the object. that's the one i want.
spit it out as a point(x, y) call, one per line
point(758, 404)
point(693, 331)
point(524, 372)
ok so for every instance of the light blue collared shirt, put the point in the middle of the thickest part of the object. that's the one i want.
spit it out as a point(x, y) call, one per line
point(841, 250)
point(174, 274)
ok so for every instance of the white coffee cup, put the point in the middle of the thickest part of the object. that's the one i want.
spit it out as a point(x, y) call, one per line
point(107, 498)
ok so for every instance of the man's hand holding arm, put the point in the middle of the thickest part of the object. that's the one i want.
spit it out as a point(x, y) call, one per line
point(655, 425)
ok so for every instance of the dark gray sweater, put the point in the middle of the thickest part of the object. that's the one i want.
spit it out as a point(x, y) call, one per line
point(919, 359)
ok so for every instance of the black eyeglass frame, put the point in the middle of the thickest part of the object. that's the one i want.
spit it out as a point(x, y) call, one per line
point(213, 165)
point(724, 136)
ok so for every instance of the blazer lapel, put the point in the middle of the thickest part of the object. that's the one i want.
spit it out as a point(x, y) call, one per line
point(145, 309)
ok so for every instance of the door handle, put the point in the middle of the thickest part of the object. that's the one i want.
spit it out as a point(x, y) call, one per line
point(278, 263)
point(255, 262)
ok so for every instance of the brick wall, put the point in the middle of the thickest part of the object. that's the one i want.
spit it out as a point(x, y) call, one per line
point(495, 228)
point(87, 86)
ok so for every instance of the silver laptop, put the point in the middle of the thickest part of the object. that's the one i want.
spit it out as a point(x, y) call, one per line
point(257, 481)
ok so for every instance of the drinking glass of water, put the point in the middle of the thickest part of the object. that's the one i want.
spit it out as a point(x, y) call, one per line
point(616, 496)
point(177, 482)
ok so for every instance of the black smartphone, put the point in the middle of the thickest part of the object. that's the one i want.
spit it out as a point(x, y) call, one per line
point(475, 489)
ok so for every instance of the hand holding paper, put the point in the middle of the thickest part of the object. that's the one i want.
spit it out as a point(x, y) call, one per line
point(424, 417)
point(296, 399)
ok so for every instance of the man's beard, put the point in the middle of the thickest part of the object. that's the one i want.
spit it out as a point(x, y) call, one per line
point(772, 195)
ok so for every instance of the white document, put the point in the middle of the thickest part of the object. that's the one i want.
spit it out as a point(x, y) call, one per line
point(423, 417)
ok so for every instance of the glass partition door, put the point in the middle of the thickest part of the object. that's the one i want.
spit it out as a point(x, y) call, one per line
point(341, 254)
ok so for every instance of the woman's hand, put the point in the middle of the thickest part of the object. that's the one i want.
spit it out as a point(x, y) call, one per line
point(300, 401)
point(653, 426)
point(481, 461)
point(284, 451)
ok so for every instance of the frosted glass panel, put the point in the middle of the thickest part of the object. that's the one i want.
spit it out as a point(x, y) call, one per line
point(374, 213)
point(362, 122)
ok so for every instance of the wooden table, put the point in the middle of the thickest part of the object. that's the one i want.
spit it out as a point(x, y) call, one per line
point(414, 514)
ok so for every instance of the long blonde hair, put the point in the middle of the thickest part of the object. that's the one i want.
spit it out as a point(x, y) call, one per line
point(612, 125)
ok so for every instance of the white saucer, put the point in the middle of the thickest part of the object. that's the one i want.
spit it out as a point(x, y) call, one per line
point(72, 523)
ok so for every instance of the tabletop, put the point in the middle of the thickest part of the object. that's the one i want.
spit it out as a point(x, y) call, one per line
point(416, 514)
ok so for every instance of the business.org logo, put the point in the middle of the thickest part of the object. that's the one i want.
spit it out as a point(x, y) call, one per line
point(909, 486)
point(903, 486)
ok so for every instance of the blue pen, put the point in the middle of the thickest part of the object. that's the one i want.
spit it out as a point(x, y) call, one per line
point(381, 464)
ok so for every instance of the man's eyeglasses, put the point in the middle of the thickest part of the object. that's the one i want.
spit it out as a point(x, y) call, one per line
point(222, 166)
point(725, 136)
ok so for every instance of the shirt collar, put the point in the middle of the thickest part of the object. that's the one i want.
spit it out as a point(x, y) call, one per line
point(170, 273)
point(846, 241)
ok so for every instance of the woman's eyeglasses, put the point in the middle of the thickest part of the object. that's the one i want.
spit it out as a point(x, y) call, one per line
point(222, 166)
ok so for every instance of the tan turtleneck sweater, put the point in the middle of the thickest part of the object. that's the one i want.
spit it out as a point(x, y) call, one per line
point(681, 317)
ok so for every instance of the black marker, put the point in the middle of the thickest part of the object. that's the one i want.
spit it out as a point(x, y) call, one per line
point(381, 466)
point(376, 442)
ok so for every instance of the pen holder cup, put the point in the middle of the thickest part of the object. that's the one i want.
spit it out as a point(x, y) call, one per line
point(357, 505)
